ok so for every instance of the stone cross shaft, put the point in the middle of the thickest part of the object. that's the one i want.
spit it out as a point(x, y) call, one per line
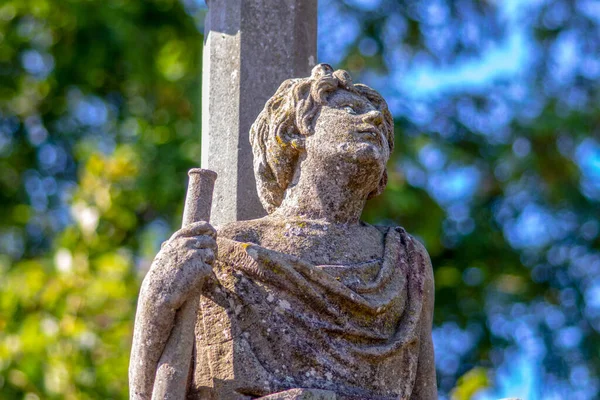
point(251, 46)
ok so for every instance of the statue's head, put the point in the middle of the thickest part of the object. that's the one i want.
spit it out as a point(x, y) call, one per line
point(356, 118)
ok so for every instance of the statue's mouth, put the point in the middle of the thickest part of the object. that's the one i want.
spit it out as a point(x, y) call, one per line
point(370, 134)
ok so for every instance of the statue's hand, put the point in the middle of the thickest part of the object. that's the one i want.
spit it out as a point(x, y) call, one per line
point(182, 265)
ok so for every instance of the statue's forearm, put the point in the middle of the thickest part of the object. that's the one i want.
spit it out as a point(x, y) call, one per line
point(173, 280)
point(153, 324)
point(425, 387)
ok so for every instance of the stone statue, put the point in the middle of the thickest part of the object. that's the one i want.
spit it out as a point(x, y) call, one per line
point(307, 302)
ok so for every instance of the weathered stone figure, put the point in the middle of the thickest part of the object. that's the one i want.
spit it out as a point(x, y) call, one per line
point(309, 296)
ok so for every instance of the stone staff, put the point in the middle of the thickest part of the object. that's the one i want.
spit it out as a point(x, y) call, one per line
point(173, 369)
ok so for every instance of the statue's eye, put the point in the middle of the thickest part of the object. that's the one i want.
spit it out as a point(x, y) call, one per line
point(350, 110)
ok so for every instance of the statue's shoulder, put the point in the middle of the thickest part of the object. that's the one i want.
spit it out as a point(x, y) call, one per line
point(411, 241)
point(420, 247)
point(405, 236)
point(240, 231)
point(427, 271)
point(250, 231)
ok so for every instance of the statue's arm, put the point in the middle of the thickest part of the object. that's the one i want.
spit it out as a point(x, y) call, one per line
point(425, 387)
point(178, 271)
point(153, 323)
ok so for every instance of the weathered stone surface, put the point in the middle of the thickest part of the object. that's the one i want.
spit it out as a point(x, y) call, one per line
point(308, 297)
point(251, 46)
point(301, 394)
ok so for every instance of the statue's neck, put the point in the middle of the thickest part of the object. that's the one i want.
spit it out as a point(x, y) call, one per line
point(331, 194)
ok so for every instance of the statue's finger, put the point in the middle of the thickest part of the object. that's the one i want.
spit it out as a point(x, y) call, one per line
point(200, 242)
point(199, 248)
point(207, 255)
point(196, 229)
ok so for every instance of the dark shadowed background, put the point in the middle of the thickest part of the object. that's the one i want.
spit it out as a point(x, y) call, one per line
point(496, 169)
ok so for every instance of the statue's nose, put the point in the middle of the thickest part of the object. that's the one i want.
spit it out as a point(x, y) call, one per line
point(374, 117)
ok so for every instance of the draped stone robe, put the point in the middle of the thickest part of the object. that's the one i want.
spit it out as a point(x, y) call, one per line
point(275, 322)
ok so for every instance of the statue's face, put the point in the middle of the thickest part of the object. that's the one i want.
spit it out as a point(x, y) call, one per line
point(348, 127)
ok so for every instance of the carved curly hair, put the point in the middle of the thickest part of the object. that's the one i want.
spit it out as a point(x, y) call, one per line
point(289, 113)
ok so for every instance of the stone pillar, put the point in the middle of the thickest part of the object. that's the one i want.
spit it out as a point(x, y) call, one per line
point(251, 46)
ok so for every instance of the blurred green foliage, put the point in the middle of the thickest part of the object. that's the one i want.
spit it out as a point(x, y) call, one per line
point(103, 128)
point(99, 122)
